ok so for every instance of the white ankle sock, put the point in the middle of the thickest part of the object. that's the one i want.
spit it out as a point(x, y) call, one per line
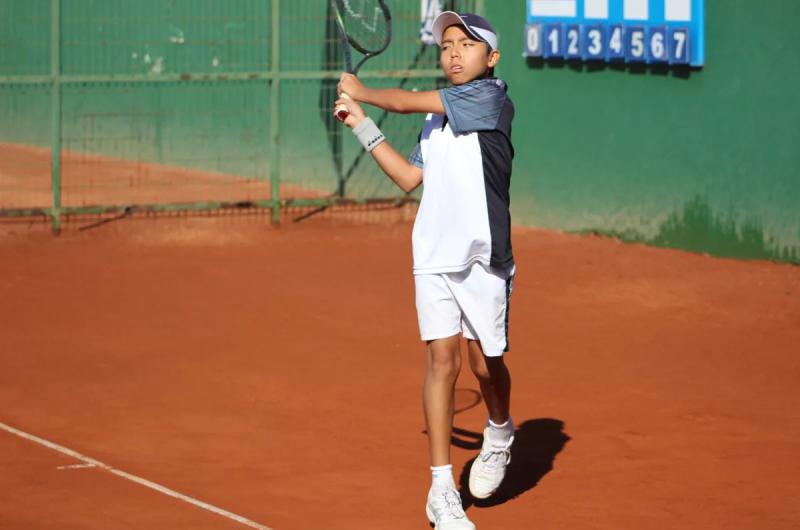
point(442, 476)
point(501, 432)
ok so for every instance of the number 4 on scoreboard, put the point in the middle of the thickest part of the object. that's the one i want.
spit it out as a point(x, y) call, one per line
point(616, 43)
point(679, 46)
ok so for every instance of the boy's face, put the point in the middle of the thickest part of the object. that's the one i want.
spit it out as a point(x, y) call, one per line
point(463, 57)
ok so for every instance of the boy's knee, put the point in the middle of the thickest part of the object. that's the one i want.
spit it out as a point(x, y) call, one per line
point(445, 364)
point(485, 367)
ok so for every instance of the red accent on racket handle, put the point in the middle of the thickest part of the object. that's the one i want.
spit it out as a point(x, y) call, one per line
point(341, 111)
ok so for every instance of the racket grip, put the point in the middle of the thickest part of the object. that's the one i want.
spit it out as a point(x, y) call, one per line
point(341, 110)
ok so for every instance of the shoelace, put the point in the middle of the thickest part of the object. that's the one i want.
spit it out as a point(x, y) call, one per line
point(450, 504)
point(493, 456)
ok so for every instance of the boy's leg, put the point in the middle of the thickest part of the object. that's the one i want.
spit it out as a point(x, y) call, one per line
point(489, 468)
point(443, 366)
point(494, 380)
point(444, 507)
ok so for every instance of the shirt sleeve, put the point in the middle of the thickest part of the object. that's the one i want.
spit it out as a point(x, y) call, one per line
point(416, 154)
point(475, 106)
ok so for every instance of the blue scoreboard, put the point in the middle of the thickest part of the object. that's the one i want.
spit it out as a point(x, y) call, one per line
point(666, 32)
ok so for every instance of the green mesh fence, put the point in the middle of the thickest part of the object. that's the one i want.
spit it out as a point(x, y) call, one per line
point(110, 105)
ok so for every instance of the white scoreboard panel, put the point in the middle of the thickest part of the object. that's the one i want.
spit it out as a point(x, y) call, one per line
point(633, 31)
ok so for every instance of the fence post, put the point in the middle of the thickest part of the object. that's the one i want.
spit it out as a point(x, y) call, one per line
point(55, 113)
point(275, 115)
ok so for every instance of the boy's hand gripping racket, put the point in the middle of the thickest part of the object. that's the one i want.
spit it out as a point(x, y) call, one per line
point(366, 25)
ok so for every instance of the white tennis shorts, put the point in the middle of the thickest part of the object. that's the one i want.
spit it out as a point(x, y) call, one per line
point(474, 302)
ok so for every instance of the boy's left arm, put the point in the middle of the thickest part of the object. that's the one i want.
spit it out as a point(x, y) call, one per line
point(392, 99)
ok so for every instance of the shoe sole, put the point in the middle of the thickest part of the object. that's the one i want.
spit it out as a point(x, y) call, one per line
point(481, 496)
point(431, 518)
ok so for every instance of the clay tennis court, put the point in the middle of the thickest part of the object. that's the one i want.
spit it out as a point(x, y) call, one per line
point(275, 374)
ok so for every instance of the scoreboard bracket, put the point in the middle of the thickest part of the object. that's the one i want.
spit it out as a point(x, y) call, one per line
point(667, 32)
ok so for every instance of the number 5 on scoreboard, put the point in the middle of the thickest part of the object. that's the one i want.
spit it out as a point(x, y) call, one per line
point(635, 50)
point(679, 46)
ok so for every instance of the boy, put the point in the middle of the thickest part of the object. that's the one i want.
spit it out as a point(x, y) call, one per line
point(463, 265)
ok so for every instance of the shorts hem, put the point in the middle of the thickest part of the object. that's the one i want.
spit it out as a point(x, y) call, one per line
point(436, 336)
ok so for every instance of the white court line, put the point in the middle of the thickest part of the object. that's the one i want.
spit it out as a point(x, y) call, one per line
point(133, 478)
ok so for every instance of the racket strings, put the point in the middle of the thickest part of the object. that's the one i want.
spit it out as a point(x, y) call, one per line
point(365, 24)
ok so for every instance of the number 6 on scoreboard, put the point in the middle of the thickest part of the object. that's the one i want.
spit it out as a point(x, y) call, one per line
point(657, 40)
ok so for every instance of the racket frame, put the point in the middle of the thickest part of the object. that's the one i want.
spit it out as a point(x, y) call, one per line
point(346, 42)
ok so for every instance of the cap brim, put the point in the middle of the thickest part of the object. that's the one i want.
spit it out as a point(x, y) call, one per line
point(447, 19)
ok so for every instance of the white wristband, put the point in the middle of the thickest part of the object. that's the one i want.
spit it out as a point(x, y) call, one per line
point(368, 134)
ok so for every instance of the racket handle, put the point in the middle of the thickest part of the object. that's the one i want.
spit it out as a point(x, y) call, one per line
point(341, 110)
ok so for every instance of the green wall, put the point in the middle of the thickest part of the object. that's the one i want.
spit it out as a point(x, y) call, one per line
point(706, 160)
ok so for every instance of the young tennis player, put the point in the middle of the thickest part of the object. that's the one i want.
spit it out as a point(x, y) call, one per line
point(463, 264)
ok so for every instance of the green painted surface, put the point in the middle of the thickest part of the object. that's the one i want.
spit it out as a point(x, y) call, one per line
point(187, 83)
point(709, 162)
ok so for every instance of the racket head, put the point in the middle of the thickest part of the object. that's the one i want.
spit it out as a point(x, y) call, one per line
point(366, 24)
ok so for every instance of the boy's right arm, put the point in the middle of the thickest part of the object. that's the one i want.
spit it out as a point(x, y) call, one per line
point(392, 99)
point(406, 175)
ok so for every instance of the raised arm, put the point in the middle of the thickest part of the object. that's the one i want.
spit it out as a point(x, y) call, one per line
point(403, 173)
point(392, 99)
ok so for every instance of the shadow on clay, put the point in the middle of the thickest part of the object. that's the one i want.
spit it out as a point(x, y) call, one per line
point(536, 444)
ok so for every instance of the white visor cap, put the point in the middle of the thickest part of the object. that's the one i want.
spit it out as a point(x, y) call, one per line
point(477, 26)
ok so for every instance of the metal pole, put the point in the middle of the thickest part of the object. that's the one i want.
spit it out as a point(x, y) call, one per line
point(275, 115)
point(55, 116)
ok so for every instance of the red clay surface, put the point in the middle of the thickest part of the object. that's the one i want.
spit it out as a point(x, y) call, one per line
point(276, 373)
point(91, 180)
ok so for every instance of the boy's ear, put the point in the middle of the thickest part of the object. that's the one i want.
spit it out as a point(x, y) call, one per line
point(494, 58)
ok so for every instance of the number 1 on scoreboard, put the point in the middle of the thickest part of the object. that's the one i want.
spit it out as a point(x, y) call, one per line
point(553, 41)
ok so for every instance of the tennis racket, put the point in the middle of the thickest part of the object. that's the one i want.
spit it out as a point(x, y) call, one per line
point(364, 25)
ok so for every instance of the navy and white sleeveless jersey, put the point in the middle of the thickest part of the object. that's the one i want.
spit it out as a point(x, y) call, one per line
point(465, 156)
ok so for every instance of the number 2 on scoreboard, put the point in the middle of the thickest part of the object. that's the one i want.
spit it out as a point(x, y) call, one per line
point(573, 41)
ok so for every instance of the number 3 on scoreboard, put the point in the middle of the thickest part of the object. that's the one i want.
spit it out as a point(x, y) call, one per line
point(594, 41)
point(679, 46)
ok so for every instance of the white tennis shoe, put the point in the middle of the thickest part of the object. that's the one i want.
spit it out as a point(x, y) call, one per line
point(489, 468)
point(444, 510)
